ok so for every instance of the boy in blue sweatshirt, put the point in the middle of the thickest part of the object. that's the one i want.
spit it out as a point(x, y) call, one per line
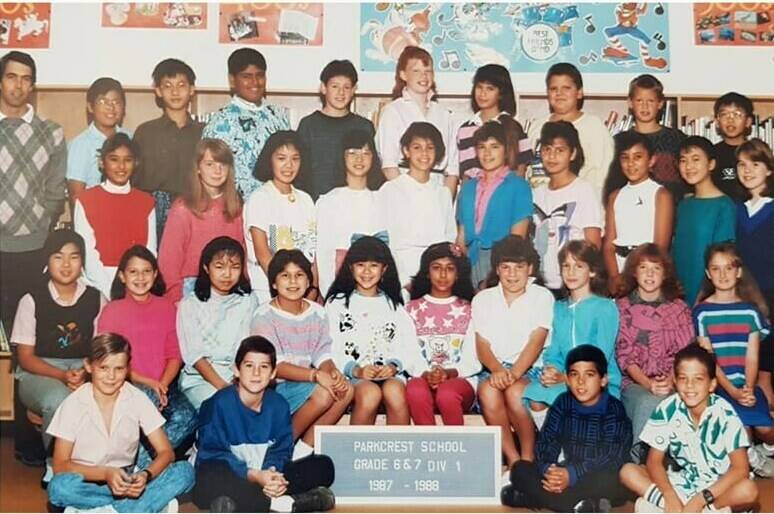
point(591, 427)
point(246, 442)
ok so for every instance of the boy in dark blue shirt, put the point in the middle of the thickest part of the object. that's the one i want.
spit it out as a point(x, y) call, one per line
point(591, 427)
point(246, 442)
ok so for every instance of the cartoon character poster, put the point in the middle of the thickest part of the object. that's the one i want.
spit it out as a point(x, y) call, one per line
point(25, 25)
point(523, 37)
point(271, 24)
point(732, 24)
point(155, 15)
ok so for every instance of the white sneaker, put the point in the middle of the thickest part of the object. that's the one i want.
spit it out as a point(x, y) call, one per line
point(644, 506)
point(173, 506)
point(766, 449)
point(506, 478)
point(104, 508)
point(762, 465)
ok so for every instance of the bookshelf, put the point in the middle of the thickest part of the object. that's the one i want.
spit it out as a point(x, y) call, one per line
point(66, 105)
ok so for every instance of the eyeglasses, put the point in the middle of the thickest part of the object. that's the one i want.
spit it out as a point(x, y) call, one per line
point(734, 115)
point(109, 102)
point(358, 152)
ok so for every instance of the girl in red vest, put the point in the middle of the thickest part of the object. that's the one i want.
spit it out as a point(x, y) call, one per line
point(113, 216)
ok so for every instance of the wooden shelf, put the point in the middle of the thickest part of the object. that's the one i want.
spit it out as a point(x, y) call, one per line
point(67, 105)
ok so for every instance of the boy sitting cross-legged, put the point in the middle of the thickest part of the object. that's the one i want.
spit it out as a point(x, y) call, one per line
point(706, 439)
point(591, 427)
point(246, 442)
point(97, 430)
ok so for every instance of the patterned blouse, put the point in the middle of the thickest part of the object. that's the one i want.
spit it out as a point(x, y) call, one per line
point(650, 334)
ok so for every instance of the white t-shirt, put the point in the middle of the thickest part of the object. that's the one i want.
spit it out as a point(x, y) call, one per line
point(341, 213)
point(508, 328)
point(417, 215)
point(560, 216)
point(396, 118)
point(635, 215)
point(287, 224)
point(597, 143)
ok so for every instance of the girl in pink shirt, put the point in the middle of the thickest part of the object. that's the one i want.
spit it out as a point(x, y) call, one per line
point(445, 365)
point(141, 314)
point(211, 207)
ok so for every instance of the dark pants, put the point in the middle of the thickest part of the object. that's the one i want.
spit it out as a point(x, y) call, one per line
point(214, 478)
point(526, 477)
point(19, 271)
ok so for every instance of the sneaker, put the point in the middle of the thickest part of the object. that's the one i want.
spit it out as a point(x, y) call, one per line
point(762, 465)
point(512, 497)
point(604, 505)
point(644, 506)
point(506, 478)
point(766, 449)
point(319, 499)
point(655, 62)
point(223, 504)
point(616, 53)
point(172, 507)
point(48, 474)
point(104, 508)
point(585, 505)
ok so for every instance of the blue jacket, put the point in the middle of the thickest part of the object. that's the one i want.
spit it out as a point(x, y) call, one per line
point(510, 203)
point(243, 438)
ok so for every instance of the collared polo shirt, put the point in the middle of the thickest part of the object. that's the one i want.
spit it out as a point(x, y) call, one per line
point(79, 421)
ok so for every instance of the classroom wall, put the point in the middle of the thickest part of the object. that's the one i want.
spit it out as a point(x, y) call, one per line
point(82, 50)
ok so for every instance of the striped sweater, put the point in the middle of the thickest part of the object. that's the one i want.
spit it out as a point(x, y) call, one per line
point(728, 327)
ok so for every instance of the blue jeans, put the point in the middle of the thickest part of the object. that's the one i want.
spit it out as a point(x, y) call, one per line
point(71, 490)
point(180, 416)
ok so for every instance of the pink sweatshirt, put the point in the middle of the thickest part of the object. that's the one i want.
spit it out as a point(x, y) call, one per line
point(185, 235)
point(150, 329)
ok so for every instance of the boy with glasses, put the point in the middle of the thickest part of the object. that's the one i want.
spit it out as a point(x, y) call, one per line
point(106, 106)
point(734, 117)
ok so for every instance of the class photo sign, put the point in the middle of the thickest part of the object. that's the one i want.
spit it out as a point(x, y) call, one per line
point(523, 37)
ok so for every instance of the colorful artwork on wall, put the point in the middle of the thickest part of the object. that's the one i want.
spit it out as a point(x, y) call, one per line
point(155, 15)
point(25, 25)
point(602, 38)
point(271, 23)
point(734, 24)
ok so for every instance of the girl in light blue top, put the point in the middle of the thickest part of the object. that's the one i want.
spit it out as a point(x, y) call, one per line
point(584, 317)
point(212, 321)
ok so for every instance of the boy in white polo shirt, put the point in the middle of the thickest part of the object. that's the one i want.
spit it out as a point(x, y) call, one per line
point(512, 322)
point(97, 430)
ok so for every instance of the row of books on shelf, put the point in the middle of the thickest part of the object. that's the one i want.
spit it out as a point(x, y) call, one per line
point(707, 127)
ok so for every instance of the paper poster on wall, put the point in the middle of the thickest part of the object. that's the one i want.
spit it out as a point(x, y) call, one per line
point(156, 15)
point(601, 38)
point(271, 23)
point(25, 25)
point(732, 24)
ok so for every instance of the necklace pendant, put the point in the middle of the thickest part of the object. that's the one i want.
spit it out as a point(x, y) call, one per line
point(292, 198)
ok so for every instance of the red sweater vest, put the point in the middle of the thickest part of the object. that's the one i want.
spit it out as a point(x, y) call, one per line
point(119, 221)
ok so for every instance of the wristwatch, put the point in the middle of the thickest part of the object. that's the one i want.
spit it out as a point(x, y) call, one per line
point(709, 498)
point(148, 474)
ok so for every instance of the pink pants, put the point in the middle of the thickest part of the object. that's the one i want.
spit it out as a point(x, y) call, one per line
point(452, 398)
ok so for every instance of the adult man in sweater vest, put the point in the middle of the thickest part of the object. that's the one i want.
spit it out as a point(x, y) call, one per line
point(33, 158)
point(32, 167)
